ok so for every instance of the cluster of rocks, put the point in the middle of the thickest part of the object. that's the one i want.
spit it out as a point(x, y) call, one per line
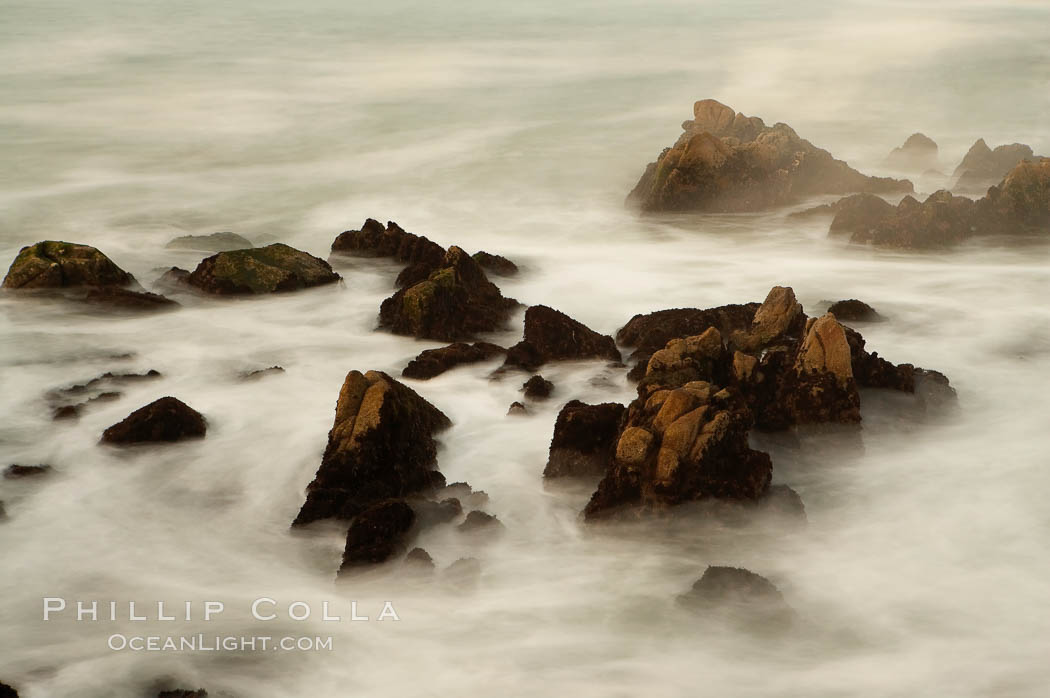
point(72, 402)
point(982, 166)
point(727, 162)
point(719, 373)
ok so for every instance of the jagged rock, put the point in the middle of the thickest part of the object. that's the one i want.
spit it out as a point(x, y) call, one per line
point(584, 439)
point(127, 300)
point(53, 264)
point(859, 213)
point(853, 310)
point(496, 264)
point(823, 388)
point(742, 595)
point(377, 533)
point(782, 500)
point(16, 472)
point(517, 409)
point(373, 240)
point(434, 362)
point(455, 302)
point(538, 388)
point(551, 335)
point(726, 162)
point(74, 411)
point(271, 269)
point(918, 154)
point(651, 332)
point(779, 316)
point(163, 420)
point(381, 446)
point(215, 242)
point(463, 492)
point(464, 572)
point(430, 512)
point(106, 379)
point(5, 690)
point(982, 166)
point(940, 221)
point(419, 559)
point(699, 358)
point(262, 373)
point(173, 280)
point(479, 520)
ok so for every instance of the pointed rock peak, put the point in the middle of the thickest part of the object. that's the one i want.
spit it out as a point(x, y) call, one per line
point(825, 349)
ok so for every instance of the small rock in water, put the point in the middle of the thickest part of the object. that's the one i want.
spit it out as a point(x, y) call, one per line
point(126, 300)
point(54, 264)
point(478, 520)
point(584, 439)
point(497, 264)
point(262, 373)
point(216, 242)
point(517, 409)
point(5, 690)
point(183, 693)
point(377, 534)
point(551, 335)
point(275, 268)
point(853, 310)
point(538, 388)
point(15, 472)
point(434, 362)
point(464, 572)
point(419, 559)
point(165, 420)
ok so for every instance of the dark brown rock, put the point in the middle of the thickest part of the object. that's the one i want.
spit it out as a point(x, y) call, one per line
point(430, 512)
point(584, 439)
point(434, 362)
point(17, 472)
point(517, 409)
point(377, 533)
point(853, 310)
point(381, 446)
point(272, 269)
point(455, 302)
point(551, 335)
point(7, 692)
point(860, 213)
point(538, 388)
point(163, 420)
point(479, 520)
point(420, 560)
point(495, 264)
point(127, 300)
point(373, 240)
point(262, 373)
point(183, 693)
point(726, 162)
point(52, 264)
point(740, 596)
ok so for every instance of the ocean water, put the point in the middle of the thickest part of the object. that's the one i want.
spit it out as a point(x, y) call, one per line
point(516, 128)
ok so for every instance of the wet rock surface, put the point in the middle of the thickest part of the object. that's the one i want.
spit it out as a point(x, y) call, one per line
point(434, 362)
point(375, 240)
point(18, 472)
point(584, 439)
point(454, 303)
point(165, 420)
point(272, 269)
point(517, 409)
point(495, 264)
point(479, 521)
point(381, 446)
point(5, 690)
point(377, 534)
point(728, 162)
point(53, 264)
point(215, 242)
point(551, 335)
point(538, 388)
point(853, 310)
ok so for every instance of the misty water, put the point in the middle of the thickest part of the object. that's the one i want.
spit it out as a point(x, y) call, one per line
point(517, 128)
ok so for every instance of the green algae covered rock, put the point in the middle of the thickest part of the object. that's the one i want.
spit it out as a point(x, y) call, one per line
point(54, 264)
point(269, 269)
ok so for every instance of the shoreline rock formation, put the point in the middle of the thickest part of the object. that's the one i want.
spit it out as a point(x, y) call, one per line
point(982, 167)
point(275, 268)
point(725, 162)
point(551, 335)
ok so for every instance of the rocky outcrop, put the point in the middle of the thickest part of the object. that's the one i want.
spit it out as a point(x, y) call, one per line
point(853, 310)
point(982, 166)
point(538, 388)
point(551, 335)
point(52, 264)
point(165, 420)
point(271, 269)
point(126, 300)
point(741, 596)
point(381, 447)
point(726, 162)
point(479, 521)
point(173, 280)
point(918, 154)
point(495, 264)
point(373, 240)
point(377, 534)
point(584, 439)
point(854, 212)
point(434, 362)
point(453, 303)
point(215, 242)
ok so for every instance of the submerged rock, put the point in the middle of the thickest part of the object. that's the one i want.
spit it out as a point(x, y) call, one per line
point(262, 373)
point(726, 162)
point(853, 310)
point(381, 446)
point(165, 420)
point(584, 439)
point(434, 362)
point(740, 595)
point(5, 690)
point(215, 242)
point(419, 559)
point(479, 520)
point(173, 280)
point(917, 154)
point(517, 409)
point(495, 264)
point(982, 166)
point(183, 693)
point(271, 269)
point(453, 303)
point(129, 301)
point(373, 240)
point(17, 472)
point(551, 335)
point(538, 388)
point(377, 534)
point(52, 264)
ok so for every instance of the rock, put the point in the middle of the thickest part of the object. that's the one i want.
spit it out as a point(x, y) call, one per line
point(51, 264)
point(377, 533)
point(127, 300)
point(517, 409)
point(215, 242)
point(651, 332)
point(16, 472)
point(5, 690)
point(538, 388)
point(779, 316)
point(271, 269)
point(66, 412)
point(419, 559)
point(853, 310)
point(744, 596)
point(478, 520)
point(464, 572)
point(262, 373)
point(982, 166)
point(941, 220)
point(373, 240)
point(495, 264)
point(918, 154)
point(381, 446)
point(699, 358)
point(106, 379)
point(784, 501)
point(183, 693)
point(859, 213)
point(584, 439)
point(462, 492)
point(823, 389)
point(163, 420)
point(1019, 204)
point(434, 362)
point(173, 280)
point(551, 335)
point(733, 163)
point(454, 303)
point(431, 513)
